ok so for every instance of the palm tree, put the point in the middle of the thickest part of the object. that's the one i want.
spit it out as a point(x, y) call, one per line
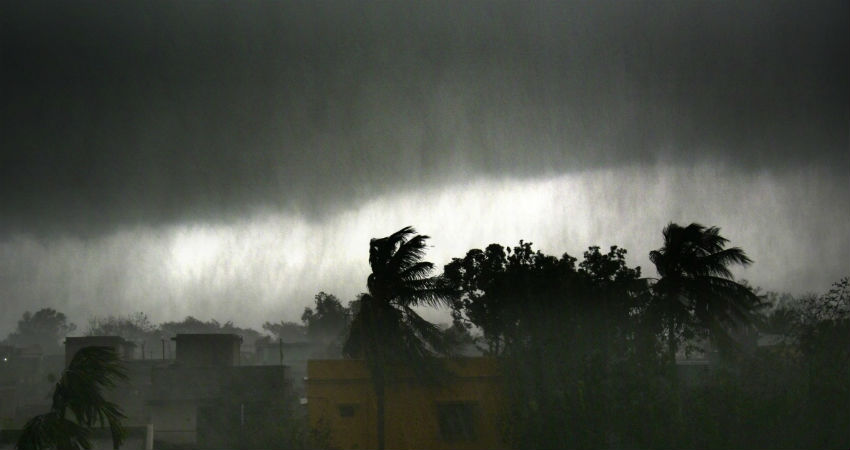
point(696, 286)
point(386, 331)
point(79, 390)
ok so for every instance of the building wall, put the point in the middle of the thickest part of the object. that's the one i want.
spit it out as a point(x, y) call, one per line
point(201, 405)
point(25, 386)
point(295, 357)
point(341, 402)
point(205, 350)
point(134, 394)
point(74, 344)
point(175, 422)
point(131, 395)
point(100, 438)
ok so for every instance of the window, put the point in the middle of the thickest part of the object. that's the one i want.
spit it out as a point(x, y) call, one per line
point(457, 421)
point(347, 410)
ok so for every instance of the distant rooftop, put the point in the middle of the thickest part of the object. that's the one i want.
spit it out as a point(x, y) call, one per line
point(208, 336)
point(94, 340)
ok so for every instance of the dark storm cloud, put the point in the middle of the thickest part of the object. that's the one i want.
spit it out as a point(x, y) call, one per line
point(117, 113)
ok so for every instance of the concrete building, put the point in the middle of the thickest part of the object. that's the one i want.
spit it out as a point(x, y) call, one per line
point(463, 413)
point(208, 350)
point(293, 355)
point(206, 399)
point(26, 381)
point(123, 347)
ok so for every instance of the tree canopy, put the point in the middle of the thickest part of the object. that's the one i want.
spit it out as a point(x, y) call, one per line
point(386, 331)
point(327, 319)
point(45, 328)
point(696, 293)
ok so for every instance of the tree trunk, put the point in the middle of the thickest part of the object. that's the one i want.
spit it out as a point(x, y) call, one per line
point(380, 395)
point(672, 347)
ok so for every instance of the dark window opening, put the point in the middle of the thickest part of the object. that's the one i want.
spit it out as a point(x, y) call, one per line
point(457, 421)
point(347, 410)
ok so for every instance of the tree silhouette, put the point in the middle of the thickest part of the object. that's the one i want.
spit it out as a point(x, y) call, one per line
point(79, 391)
point(136, 328)
point(386, 331)
point(696, 290)
point(326, 322)
point(475, 276)
point(45, 328)
point(562, 331)
point(287, 331)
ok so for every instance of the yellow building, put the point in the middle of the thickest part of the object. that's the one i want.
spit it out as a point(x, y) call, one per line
point(464, 413)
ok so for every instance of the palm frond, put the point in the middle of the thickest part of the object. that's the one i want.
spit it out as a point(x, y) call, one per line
point(432, 292)
point(382, 249)
point(401, 235)
point(50, 431)
point(695, 280)
point(725, 301)
point(91, 370)
point(709, 239)
point(716, 264)
point(417, 271)
point(386, 331)
point(99, 366)
point(425, 331)
point(408, 254)
point(80, 390)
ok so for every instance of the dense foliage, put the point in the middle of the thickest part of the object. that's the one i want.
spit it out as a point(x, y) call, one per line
point(43, 329)
point(326, 323)
point(79, 404)
point(597, 357)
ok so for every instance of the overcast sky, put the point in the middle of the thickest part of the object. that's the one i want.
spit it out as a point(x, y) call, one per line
point(229, 160)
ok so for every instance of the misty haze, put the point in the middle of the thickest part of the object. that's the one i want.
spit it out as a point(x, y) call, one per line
point(453, 225)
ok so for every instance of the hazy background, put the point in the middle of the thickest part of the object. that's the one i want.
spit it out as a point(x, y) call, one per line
point(230, 160)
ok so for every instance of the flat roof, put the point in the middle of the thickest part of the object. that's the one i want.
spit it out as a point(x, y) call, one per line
point(207, 336)
point(355, 369)
point(98, 339)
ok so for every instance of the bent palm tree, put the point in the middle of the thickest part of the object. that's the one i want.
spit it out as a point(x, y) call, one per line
point(386, 331)
point(79, 391)
point(696, 286)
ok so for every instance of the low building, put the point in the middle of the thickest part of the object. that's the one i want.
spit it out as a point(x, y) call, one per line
point(26, 381)
point(135, 438)
point(208, 350)
point(206, 399)
point(293, 355)
point(122, 347)
point(133, 394)
point(464, 412)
